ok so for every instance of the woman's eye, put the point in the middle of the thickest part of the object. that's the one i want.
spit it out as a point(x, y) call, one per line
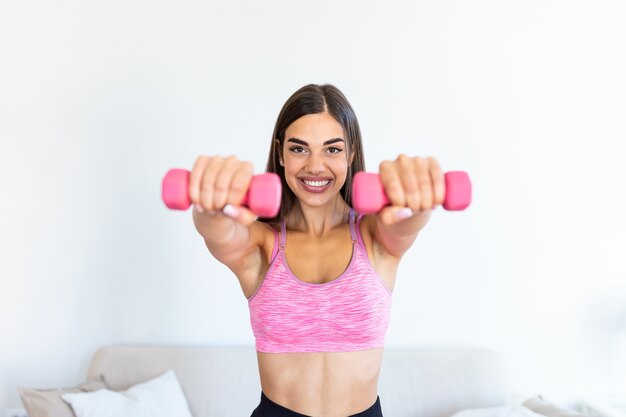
point(334, 149)
point(297, 149)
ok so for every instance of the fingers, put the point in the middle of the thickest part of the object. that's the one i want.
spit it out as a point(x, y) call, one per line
point(195, 179)
point(412, 180)
point(390, 177)
point(394, 214)
point(222, 178)
point(240, 183)
point(207, 185)
point(241, 214)
point(219, 185)
point(438, 181)
point(412, 185)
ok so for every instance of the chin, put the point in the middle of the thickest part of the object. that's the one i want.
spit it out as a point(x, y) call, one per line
point(318, 201)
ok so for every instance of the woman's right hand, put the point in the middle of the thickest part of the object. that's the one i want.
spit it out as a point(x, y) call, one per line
point(218, 185)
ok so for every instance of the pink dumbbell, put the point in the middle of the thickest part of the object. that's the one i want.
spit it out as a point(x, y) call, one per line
point(368, 193)
point(263, 196)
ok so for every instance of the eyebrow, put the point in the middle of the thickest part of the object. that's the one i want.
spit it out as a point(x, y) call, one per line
point(301, 142)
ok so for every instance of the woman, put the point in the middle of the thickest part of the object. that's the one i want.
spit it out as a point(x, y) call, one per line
point(318, 277)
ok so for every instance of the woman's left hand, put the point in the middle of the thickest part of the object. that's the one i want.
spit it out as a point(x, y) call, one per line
point(414, 185)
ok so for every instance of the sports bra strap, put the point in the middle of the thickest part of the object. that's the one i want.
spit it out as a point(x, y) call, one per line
point(283, 234)
point(352, 225)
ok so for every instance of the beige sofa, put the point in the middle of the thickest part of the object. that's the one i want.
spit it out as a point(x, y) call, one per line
point(224, 382)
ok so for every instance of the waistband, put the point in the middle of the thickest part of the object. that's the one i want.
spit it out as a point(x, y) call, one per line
point(269, 408)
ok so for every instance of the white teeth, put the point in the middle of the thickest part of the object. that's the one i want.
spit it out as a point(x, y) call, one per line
point(317, 183)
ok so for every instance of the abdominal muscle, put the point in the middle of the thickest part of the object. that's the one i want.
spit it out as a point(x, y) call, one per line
point(322, 384)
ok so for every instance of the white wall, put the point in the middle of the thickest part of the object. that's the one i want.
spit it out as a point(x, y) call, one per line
point(99, 99)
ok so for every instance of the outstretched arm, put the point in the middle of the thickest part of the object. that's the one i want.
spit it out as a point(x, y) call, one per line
point(216, 183)
point(415, 186)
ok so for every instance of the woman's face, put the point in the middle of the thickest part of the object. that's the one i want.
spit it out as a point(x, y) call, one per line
point(315, 158)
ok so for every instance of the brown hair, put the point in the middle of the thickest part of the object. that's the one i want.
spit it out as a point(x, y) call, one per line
point(312, 99)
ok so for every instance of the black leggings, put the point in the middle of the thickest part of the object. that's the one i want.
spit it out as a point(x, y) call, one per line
point(268, 408)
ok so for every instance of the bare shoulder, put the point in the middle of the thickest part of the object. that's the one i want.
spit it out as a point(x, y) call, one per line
point(368, 233)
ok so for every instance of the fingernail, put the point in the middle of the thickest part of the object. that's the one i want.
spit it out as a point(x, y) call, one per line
point(230, 211)
point(198, 208)
point(404, 213)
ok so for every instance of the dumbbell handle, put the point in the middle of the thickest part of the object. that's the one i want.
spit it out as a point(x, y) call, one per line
point(368, 193)
point(263, 196)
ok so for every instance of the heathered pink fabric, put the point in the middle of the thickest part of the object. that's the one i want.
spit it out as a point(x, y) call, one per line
point(349, 313)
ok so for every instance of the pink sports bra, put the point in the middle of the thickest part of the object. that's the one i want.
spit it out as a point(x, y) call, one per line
point(348, 313)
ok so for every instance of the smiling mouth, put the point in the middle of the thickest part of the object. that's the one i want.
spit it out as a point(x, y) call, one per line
point(316, 183)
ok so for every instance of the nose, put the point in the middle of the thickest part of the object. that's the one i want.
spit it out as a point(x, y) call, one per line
point(315, 164)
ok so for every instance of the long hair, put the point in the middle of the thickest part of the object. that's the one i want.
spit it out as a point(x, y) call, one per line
point(312, 99)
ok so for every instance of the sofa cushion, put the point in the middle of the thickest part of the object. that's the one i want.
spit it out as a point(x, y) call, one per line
point(158, 397)
point(48, 402)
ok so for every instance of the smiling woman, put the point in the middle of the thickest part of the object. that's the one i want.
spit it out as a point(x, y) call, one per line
point(318, 277)
point(319, 107)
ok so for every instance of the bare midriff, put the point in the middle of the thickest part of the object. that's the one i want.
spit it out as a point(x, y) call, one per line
point(322, 384)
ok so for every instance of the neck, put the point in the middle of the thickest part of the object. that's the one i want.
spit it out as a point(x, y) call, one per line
point(317, 221)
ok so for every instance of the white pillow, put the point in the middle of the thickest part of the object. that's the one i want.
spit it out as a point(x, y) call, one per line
point(502, 411)
point(158, 397)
